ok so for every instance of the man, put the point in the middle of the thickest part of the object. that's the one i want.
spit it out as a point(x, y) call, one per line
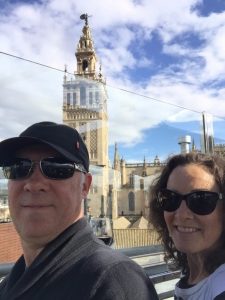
point(48, 171)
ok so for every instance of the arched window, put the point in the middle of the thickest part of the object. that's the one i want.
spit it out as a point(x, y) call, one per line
point(142, 184)
point(97, 97)
point(84, 65)
point(90, 98)
point(68, 99)
point(131, 201)
point(82, 95)
point(74, 99)
point(131, 180)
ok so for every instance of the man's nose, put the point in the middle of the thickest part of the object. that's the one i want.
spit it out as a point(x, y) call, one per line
point(36, 181)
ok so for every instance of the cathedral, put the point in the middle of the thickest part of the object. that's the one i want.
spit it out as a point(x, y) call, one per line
point(120, 189)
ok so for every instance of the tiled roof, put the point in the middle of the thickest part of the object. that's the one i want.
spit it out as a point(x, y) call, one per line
point(141, 223)
point(121, 223)
point(10, 247)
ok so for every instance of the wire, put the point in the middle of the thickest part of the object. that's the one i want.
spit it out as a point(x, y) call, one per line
point(157, 100)
point(31, 61)
point(121, 89)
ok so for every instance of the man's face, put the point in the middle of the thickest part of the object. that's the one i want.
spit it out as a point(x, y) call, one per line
point(42, 208)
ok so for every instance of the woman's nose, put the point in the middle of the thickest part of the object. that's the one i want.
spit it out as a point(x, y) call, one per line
point(183, 210)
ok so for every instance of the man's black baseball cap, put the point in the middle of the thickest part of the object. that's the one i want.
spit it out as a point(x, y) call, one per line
point(62, 138)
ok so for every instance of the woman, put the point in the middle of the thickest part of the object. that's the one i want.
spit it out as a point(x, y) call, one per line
point(187, 209)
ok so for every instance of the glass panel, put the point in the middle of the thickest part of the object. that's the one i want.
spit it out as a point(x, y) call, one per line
point(129, 136)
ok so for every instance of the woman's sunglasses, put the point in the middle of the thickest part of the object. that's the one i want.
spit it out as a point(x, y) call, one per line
point(199, 202)
point(51, 167)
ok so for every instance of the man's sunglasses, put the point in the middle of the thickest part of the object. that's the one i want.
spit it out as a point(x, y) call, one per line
point(199, 202)
point(52, 168)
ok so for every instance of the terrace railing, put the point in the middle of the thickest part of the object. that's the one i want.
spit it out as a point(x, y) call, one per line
point(150, 258)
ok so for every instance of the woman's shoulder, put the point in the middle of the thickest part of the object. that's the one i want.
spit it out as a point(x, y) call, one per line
point(217, 279)
point(218, 274)
point(211, 286)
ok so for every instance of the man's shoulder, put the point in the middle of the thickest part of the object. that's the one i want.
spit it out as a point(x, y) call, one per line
point(112, 275)
point(106, 255)
point(105, 259)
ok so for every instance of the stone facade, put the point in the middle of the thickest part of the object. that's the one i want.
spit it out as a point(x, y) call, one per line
point(219, 149)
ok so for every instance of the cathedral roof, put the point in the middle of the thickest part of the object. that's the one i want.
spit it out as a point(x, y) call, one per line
point(121, 223)
point(141, 223)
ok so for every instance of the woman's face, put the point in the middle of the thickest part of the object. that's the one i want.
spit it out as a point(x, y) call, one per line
point(190, 232)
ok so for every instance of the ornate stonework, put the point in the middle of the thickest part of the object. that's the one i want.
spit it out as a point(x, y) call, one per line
point(85, 108)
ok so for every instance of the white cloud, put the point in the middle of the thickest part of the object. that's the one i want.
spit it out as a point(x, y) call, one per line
point(49, 32)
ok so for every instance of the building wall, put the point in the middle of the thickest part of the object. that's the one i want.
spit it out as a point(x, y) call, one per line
point(220, 150)
point(123, 202)
point(139, 177)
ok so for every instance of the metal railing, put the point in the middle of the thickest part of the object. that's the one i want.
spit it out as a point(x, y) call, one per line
point(151, 259)
point(5, 269)
point(165, 283)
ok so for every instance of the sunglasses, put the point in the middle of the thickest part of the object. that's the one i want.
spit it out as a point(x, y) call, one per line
point(199, 202)
point(51, 167)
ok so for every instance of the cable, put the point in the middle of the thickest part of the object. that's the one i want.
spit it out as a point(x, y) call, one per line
point(31, 61)
point(157, 100)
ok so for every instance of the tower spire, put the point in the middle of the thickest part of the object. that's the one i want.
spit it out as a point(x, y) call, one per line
point(65, 73)
point(85, 54)
point(116, 163)
point(144, 172)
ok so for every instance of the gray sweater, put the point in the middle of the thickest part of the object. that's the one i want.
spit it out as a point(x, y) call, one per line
point(77, 266)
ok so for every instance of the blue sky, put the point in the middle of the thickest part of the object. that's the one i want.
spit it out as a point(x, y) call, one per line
point(167, 51)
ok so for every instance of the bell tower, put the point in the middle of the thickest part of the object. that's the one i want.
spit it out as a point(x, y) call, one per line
point(85, 99)
point(85, 108)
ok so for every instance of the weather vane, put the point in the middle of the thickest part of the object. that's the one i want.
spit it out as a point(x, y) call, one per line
point(85, 17)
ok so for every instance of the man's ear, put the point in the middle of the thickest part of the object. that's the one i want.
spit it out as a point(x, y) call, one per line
point(86, 184)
